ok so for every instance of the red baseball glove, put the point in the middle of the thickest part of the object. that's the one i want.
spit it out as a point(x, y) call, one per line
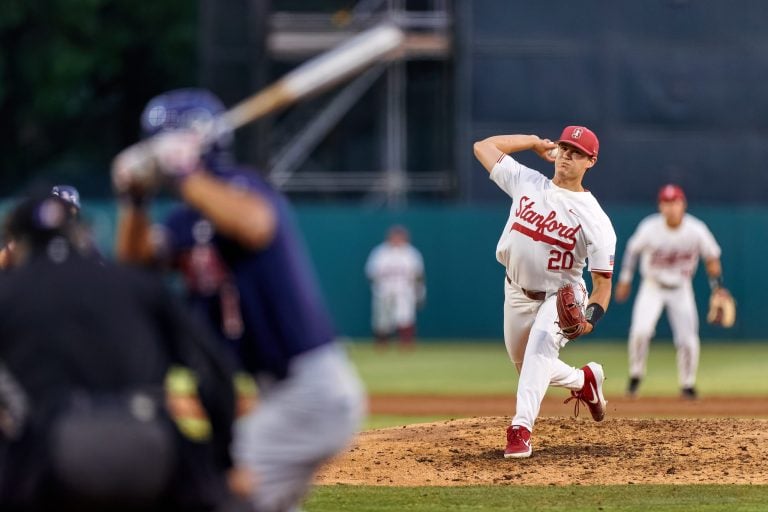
point(570, 312)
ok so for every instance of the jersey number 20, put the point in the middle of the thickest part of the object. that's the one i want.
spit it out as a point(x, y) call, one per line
point(560, 260)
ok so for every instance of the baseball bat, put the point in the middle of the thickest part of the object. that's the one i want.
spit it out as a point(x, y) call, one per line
point(316, 75)
point(312, 77)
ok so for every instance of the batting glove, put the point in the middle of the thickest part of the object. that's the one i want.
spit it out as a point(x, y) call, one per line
point(177, 154)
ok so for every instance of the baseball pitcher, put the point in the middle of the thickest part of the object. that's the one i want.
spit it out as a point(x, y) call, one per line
point(668, 245)
point(554, 226)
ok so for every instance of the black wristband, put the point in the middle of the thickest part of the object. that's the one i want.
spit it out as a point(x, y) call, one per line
point(593, 313)
point(715, 282)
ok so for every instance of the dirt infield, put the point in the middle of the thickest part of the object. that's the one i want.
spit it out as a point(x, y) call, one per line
point(639, 442)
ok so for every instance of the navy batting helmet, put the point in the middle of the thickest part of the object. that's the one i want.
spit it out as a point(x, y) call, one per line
point(186, 109)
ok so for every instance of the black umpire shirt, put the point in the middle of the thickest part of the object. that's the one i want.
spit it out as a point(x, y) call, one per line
point(78, 326)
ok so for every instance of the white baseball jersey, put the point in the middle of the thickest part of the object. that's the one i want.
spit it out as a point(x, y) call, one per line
point(551, 232)
point(394, 269)
point(668, 256)
point(395, 272)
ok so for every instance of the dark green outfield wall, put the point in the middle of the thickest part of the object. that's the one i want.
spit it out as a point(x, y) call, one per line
point(465, 283)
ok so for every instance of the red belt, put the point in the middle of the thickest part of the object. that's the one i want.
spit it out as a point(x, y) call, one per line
point(530, 293)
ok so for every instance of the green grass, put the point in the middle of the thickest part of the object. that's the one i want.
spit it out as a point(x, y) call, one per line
point(483, 368)
point(624, 498)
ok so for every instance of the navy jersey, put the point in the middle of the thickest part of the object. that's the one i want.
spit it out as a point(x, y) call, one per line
point(266, 303)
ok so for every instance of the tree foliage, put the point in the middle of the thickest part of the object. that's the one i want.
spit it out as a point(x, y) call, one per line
point(74, 76)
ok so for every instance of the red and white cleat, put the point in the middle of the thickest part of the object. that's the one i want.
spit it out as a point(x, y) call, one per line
point(591, 393)
point(518, 442)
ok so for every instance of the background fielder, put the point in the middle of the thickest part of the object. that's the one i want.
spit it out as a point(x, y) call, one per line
point(554, 226)
point(395, 269)
point(668, 244)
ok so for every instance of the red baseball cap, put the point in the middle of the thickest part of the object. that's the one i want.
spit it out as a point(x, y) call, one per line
point(671, 192)
point(582, 138)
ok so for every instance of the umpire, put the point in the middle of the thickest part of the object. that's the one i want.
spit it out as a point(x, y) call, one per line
point(110, 399)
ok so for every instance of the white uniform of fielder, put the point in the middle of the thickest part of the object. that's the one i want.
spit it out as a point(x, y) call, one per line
point(668, 260)
point(395, 269)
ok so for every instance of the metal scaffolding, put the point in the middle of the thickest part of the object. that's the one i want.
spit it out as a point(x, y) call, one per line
point(296, 36)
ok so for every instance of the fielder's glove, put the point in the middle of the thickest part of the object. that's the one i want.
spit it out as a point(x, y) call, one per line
point(570, 312)
point(722, 308)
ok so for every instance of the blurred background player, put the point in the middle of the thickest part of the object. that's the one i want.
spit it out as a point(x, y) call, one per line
point(247, 273)
point(554, 226)
point(668, 244)
point(395, 269)
point(86, 351)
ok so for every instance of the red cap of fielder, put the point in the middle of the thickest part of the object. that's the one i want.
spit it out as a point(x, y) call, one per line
point(582, 138)
point(671, 192)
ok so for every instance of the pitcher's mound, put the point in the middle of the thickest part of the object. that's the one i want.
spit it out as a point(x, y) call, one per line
point(565, 451)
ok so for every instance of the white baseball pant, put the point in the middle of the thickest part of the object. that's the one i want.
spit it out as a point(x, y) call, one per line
point(393, 309)
point(533, 344)
point(683, 318)
point(299, 423)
